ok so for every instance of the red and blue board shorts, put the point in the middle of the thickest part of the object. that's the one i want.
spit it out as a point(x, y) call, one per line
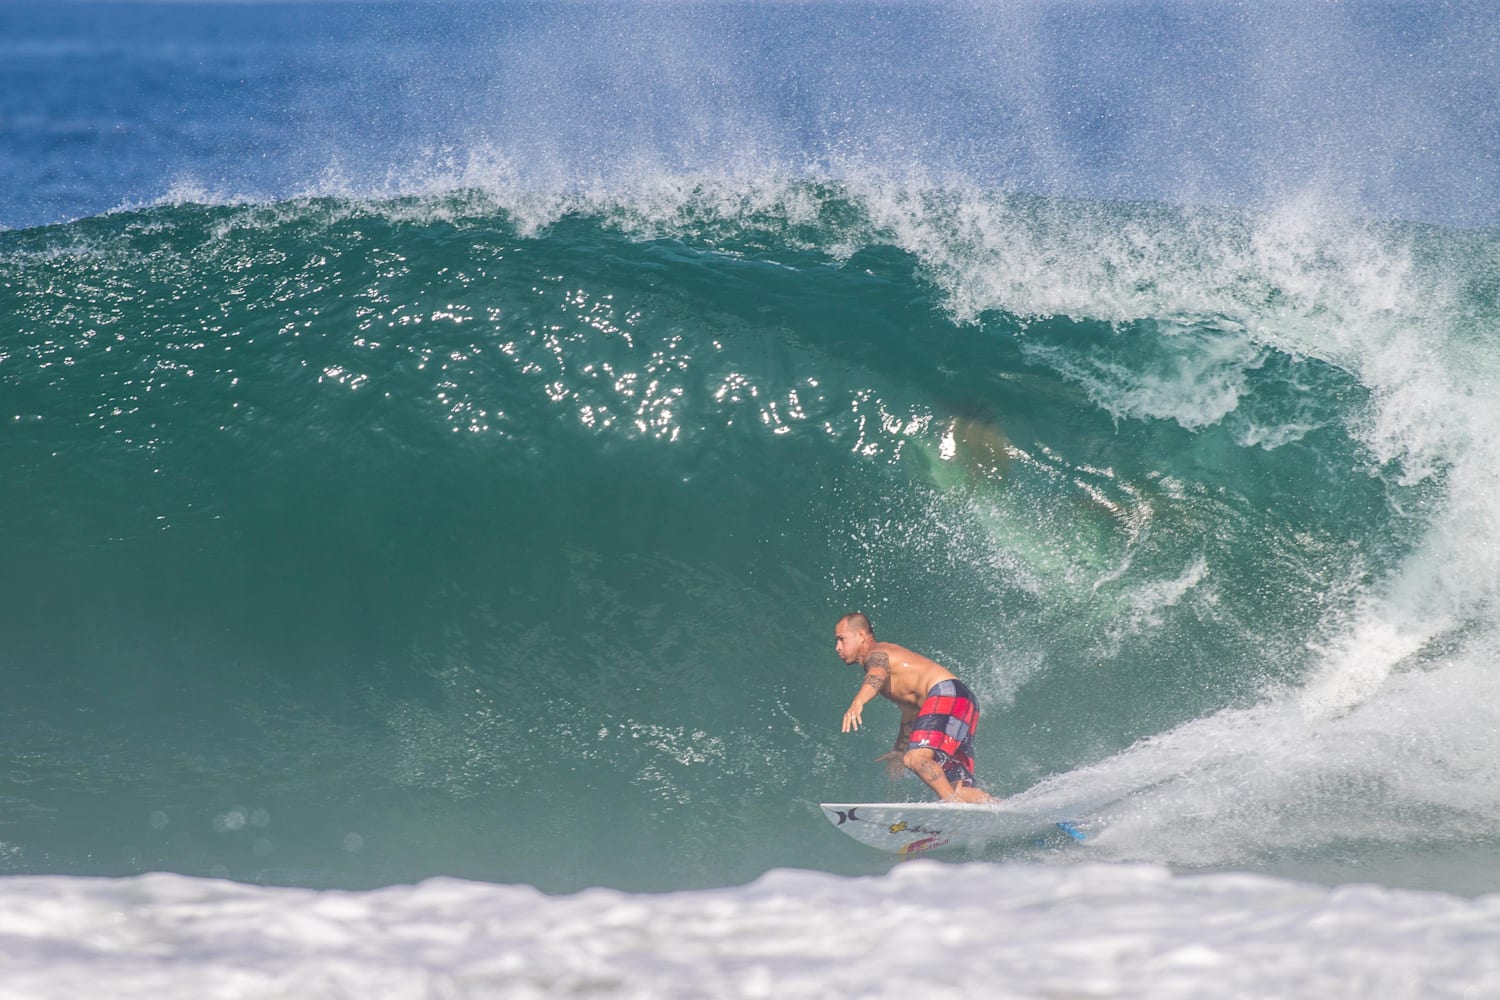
point(945, 724)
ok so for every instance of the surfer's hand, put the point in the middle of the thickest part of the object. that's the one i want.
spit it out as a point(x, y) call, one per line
point(893, 762)
point(852, 718)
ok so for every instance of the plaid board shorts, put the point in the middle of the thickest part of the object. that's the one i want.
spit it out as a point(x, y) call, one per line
point(945, 724)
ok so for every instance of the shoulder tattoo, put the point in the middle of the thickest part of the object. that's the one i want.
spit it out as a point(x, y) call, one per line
point(877, 669)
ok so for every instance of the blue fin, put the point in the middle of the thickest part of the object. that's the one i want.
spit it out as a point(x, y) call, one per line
point(1072, 831)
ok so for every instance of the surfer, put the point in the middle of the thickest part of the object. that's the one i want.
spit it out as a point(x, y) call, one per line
point(938, 713)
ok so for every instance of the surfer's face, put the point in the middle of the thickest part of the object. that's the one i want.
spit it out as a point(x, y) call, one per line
point(847, 643)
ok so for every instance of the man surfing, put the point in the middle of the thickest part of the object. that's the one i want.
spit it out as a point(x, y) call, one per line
point(938, 713)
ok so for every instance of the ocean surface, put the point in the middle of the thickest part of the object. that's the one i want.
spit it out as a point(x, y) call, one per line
point(437, 441)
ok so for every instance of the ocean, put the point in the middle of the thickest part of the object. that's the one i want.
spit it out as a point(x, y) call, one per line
point(437, 441)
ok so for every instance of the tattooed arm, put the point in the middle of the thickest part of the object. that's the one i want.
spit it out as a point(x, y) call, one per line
point(877, 669)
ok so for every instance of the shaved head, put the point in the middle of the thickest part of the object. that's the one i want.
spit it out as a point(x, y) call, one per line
point(858, 621)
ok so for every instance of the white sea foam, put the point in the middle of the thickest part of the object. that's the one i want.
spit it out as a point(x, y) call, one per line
point(1085, 930)
point(1405, 774)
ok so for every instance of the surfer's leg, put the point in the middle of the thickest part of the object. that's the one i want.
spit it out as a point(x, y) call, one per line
point(922, 761)
point(966, 791)
point(941, 750)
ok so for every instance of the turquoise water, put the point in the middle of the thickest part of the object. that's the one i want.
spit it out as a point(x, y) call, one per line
point(511, 547)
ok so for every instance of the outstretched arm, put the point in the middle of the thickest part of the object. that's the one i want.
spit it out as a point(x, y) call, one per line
point(877, 669)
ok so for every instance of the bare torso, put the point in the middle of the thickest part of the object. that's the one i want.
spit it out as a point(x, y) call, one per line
point(911, 675)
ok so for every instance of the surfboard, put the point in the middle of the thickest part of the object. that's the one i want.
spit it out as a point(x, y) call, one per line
point(909, 828)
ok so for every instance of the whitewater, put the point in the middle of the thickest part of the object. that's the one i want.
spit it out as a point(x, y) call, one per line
point(437, 440)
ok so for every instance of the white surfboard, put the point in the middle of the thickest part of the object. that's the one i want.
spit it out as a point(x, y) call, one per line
point(914, 827)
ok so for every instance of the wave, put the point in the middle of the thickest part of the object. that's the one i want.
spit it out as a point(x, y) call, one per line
point(483, 516)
